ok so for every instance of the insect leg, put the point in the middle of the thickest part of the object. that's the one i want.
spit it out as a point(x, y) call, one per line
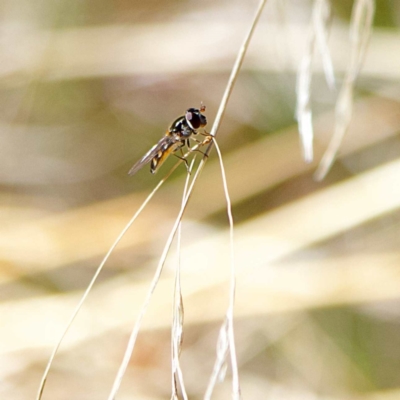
point(184, 160)
point(207, 140)
point(198, 150)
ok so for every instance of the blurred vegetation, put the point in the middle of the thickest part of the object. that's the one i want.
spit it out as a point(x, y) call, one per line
point(86, 88)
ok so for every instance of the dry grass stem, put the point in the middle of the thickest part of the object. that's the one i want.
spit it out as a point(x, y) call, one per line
point(317, 39)
point(97, 273)
point(360, 31)
point(86, 256)
point(226, 336)
point(153, 285)
point(214, 130)
point(321, 17)
point(95, 276)
point(136, 328)
point(178, 313)
point(235, 72)
point(226, 339)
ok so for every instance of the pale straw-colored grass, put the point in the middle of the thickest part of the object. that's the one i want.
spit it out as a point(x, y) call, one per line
point(98, 271)
point(317, 40)
point(360, 32)
point(226, 340)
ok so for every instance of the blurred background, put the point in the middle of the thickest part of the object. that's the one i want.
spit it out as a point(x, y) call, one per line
point(86, 88)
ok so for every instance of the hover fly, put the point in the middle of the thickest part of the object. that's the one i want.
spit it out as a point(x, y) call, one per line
point(176, 137)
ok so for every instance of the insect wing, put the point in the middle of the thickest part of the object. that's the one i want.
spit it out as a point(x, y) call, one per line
point(167, 149)
point(164, 143)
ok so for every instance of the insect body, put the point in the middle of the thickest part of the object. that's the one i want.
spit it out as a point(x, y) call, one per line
point(176, 137)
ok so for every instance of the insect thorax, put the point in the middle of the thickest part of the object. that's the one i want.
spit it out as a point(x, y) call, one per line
point(181, 128)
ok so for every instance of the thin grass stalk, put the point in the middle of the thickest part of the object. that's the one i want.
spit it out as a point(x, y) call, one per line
point(178, 312)
point(226, 339)
point(93, 280)
point(97, 273)
point(321, 17)
point(317, 39)
point(235, 73)
point(219, 369)
point(360, 31)
point(153, 285)
point(303, 106)
point(214, 131)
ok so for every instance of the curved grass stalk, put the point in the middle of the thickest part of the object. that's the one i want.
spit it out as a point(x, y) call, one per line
point(153, 285)
point(235, 73)
point(178, 313)
point(226, 339)
point(97, 273)
point(214, 131)
point(360, 30)
point(90, 286)
point(321, 17)
point(317, 39)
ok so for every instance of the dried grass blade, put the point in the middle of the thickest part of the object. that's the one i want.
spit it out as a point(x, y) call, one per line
point(132, 339)
point(303, 106)
point(95, 276)
point(214, 130)
point(225, 331)
point(226, 339)
point(321, 21)
point(317, 38)
point(219, 369)
point(360, 31)
point(235, 73)
point(178, 312)
point(153, 285)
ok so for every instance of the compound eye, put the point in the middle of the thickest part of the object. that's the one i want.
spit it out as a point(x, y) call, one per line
point(193, 118)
